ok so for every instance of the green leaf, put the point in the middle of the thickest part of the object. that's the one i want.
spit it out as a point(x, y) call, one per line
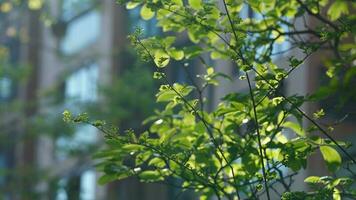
point(168, 41)
point(193, 36)
point(35, 4)
point(161, 58)
point(312, 179)
point(196, 4)
point(166, 136)
point(131, 5)
point(132, 147)
point(151, 176)
point(183, 90)
point(337, 9)
point(216, 55)
point(166, 96)
point(67, 116)
point(293, 62)
point(295, 127)
point(210, 71)
point(294, 196)
point(106, 179)
point(146, 13)
point(280, 117)
point(157, 162)
point(192, 51)
point(178, 2)
point(142, 157)
point(318, 114)
point(331, 157)
point(176, 54)
point(336, 194)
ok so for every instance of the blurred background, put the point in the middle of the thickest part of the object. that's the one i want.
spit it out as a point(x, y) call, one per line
point(75, 55)
point(68, 54)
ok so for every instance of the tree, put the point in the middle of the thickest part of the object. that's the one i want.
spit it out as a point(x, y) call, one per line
point(237, 150)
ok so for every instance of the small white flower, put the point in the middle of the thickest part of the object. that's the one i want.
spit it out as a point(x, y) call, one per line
point(137, 169)
point(244, 121)
point(160, 121)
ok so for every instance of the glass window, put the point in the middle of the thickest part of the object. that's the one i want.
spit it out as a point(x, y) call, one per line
point(71, 8)
point(82, 84)
point(87, 185)
point(80, 186)
point(61, 192)
point(83, 137)
point(81, 32)
point(245, 11)
point(2, 167)
point(5, 88)
point(80, 87)
point(68, 188)
point(282, 45)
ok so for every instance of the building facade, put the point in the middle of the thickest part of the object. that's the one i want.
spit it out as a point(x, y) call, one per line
point(73, 48)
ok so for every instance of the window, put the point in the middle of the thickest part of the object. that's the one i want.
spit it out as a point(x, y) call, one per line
point(81, 32)
point(82, 85)
point(9, 56)
point(87, 185)
point(5, 88)
point(2, 167)
point(77, 187)
point(83, 137)
point(61, 192)
point(68, 188)
point(246, 12)
point(71, 8)
point(282, 45)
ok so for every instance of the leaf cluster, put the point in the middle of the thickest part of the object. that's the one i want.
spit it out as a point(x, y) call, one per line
point(242, 147)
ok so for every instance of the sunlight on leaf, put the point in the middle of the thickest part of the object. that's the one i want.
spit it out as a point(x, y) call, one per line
point(337, 9)
point(146, 13)
point(161, 58)
point(35, 4)
point(331, 157)
point(196, 4)
point(131, 5)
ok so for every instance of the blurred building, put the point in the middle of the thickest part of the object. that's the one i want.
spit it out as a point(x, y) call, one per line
point(73, 48)
point(74, 52)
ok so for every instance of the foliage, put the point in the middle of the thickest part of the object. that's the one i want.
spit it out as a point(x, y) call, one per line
point(46, 122)
point(238, 149)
